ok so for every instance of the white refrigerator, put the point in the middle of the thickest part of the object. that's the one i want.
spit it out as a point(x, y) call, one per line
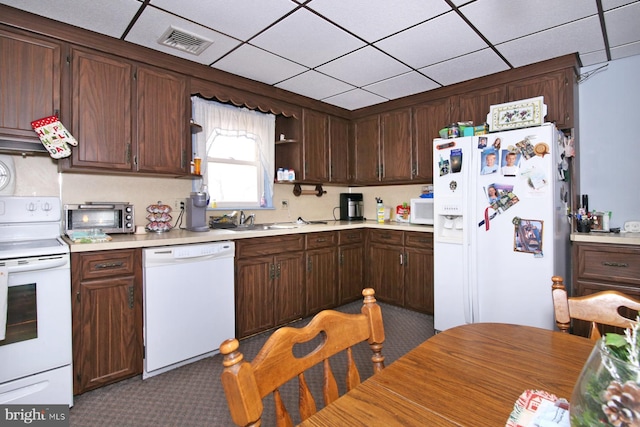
point(501, 229)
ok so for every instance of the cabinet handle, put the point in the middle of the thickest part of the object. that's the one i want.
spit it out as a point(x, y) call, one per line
point(615, 264)
point(131, 296)
point(401, 259)
point(321, 240)
point(272, 271)
point(278, 271)
point(109, 265)
point(309, 265)
point(341, 259)
point(406, 259)
point(127, 153)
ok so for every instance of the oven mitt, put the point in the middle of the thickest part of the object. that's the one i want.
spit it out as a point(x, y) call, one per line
point(54, 136)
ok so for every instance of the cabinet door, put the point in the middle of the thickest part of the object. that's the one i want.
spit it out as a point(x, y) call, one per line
point(395, 146)
point(366, 147)
point(428, 119)
point(321, 279)
point(339, 150)
point(475, 105)
point(109, 344)
point(386, 273)
point(163, 134)
point(254, 295)
point(289, 287)
point(418, 279)
point(101, 111)
point(557, 89)
point(29, 83)
point(316, 151)
point(351, 272)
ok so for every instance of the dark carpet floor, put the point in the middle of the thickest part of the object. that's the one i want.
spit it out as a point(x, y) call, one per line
point(192, 395)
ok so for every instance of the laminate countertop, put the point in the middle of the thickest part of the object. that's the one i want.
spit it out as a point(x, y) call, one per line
point(610, 238)
point(183, 237)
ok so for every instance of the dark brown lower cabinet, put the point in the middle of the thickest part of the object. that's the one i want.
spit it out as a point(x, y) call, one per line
point(321, 275)
point(351, 265)
point(107, 317)
point(600, 267)
point(401, 268)
point(269, 282)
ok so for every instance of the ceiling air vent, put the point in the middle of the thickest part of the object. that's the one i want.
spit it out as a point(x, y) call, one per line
point(184, 40)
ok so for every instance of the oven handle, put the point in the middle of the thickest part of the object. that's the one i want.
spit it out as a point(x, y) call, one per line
point(40, 264)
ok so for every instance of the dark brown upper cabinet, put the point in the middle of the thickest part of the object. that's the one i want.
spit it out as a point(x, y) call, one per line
point(30, 83)
point(128, 117)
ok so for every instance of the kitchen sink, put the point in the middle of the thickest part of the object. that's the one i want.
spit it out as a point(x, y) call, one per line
point(265, 226)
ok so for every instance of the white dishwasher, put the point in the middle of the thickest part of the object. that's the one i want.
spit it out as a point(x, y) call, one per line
point(188, 303)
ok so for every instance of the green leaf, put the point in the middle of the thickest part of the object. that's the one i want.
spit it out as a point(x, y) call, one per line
point(615, 340)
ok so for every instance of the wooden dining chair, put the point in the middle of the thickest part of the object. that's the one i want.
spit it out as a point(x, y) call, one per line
point(246, 384)
point(600, 308)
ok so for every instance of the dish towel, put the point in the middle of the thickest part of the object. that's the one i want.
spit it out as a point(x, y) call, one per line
point(4, 290)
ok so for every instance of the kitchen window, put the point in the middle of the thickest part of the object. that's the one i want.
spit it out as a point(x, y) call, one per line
point(237, 150)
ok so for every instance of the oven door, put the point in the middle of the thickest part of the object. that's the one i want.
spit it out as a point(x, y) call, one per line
point(38, 333)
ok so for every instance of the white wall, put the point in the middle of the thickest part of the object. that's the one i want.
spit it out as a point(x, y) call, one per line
point(609, 139)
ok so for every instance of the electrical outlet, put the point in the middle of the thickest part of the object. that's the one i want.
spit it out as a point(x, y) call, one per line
point(284, 204)
point(177, 202)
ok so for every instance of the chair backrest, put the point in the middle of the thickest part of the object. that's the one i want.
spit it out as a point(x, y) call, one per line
point(246, 384)
point(600, 308)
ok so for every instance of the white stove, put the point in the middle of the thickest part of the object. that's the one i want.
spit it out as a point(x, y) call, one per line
point(35, 300)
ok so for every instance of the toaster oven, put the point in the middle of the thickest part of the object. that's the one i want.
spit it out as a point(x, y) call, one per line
point(108, 217)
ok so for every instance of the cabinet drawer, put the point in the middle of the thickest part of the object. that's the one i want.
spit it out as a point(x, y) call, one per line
point(351, 236)
point(391, 237)
point(418, 240)
point(258, 246)
point(94, 265)
point(610, 263)
point(322, 239)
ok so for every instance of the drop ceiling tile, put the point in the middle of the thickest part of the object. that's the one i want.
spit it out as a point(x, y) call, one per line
point(307, 39)
point(314, 85)
point(364, 66)
point(242, 20)
point(501, 21)
point(110, 17)
point(442, 38)
point(354, 99)
point(378, 18)
point(611, 4)
point(403, 85)
point(256, 64)
point(623, 25)
point(592, 58)
point(625, 50)
point(580, 36)
point(466, 67)
point(153, 23)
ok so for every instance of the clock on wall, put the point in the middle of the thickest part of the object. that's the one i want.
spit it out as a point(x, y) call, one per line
point(7, 176)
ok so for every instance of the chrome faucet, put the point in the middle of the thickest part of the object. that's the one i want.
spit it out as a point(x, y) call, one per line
point(247, 219)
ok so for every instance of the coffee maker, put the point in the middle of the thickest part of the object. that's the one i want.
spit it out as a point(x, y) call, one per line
point(351, 207)
point(197, 212)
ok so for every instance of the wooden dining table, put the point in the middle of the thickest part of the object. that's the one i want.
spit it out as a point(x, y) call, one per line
point(470, 375)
